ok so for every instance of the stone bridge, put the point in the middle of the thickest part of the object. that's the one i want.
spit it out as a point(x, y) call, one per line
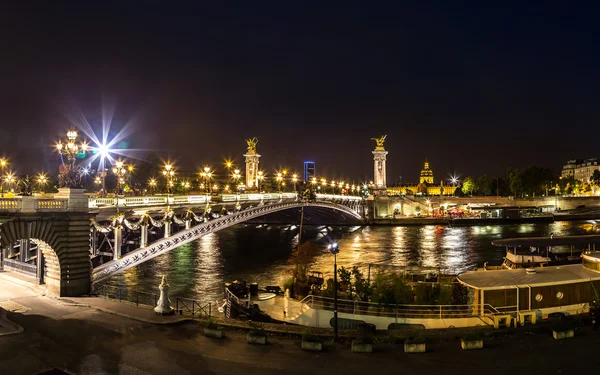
point(55, 236)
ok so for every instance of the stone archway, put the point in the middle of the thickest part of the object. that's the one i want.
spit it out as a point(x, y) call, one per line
point(63, 239)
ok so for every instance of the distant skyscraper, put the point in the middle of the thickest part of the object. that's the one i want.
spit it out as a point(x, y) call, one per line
point(309, 170)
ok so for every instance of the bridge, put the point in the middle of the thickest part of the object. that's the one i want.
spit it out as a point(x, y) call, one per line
point(61, 241)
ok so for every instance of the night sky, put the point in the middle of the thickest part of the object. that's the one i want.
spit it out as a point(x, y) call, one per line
point(476, 89)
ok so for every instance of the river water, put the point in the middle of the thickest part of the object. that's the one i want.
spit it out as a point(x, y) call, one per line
point(263, 253)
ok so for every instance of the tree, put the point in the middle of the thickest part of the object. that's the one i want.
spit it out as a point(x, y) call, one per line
point(515, 181)
point(469, 186)
point(484, 185)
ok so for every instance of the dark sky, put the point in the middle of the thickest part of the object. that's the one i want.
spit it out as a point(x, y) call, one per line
point(476, 88)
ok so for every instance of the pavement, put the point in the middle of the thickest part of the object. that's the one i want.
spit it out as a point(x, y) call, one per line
point(82, 336)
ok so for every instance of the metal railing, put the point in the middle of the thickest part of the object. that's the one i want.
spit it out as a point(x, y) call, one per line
point(183, 306)
point(404, 311)
point(15, 265)
point(51, 204)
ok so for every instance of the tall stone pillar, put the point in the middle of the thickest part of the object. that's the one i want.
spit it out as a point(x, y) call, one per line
point(379, 171)
point(252, 160)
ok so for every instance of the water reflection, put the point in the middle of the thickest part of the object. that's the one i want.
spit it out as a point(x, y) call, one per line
point(264, 254)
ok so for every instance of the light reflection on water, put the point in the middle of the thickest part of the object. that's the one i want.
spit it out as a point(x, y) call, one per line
point(263, 254)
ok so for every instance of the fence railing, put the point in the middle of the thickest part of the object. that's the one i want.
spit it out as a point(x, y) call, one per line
point(183, 306)
point(15, 265)
point(10, 204)
point(405, 311)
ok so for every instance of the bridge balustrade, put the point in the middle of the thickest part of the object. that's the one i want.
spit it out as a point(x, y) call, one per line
point(10, 204)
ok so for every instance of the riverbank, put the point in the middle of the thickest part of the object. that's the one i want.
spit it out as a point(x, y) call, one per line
point(83, 340)
point(472, 221)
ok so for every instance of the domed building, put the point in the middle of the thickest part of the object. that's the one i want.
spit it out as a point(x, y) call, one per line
point(426, 185)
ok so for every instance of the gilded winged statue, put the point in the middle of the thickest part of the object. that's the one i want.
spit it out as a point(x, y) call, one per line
point(380, 142)
point(252, 144)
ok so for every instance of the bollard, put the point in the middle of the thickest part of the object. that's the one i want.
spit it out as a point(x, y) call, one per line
point(163, 306)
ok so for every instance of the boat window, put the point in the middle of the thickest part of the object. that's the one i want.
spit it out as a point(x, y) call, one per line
point(538, 297)
point(559, 295)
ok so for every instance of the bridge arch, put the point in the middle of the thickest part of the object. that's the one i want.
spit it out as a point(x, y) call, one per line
point(63, 240)
point(164, 245)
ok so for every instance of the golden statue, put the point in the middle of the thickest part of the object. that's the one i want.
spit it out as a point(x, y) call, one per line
point(379, 142)
point(252, 144)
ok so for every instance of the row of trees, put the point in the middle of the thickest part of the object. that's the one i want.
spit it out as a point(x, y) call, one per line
point(531, 181)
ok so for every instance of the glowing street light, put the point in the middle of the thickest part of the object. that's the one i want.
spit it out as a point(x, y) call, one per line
point(279, 178)
point(295, 180)
point(70, 177)
point(260, 176)
point(207, 175)
point(152, 183)
point(169, 173)
point(42, 180)
point(3, 164)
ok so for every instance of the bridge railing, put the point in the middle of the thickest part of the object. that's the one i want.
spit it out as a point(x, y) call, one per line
point(183, 306)
point(11, 264)
point(10, 204)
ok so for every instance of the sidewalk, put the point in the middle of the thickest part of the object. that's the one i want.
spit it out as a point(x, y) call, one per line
point(141, 313)
point(6, 326)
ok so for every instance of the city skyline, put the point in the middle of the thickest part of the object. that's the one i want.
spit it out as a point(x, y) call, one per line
point(463, 87)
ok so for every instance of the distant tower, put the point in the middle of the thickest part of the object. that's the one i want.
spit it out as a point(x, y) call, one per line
point(426, 174)
point(379, 172)
point(309, 170)
point(252, 159)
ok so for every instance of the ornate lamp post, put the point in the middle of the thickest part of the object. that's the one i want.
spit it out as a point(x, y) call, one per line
point(260, 176)
point(324, 184)
point(295, 181)
point(279, 178)
point(207, 175)
point(228, 166)
point(334, 249)
point(152, 183)
point(3, 164)
point(69, 176)
point(236, 178)
point(10, 179)
point(119, 172)
point(42, 180)
point(168, 172)
point(333, 187)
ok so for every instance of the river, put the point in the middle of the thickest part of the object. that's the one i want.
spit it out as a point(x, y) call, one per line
point(263, 254)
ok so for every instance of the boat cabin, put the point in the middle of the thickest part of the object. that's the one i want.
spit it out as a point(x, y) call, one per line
point(567, 289)
point(544, 251)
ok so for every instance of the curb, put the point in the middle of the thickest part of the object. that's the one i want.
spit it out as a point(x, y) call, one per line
point(16, 328)
point(124, 315)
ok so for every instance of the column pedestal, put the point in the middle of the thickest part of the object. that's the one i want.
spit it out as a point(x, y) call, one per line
point(163, 306)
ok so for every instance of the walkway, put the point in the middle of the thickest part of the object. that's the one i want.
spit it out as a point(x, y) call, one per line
point(84, 340)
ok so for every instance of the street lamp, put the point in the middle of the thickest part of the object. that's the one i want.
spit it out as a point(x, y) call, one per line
point(295, 181)
point(332, 187)
point(334, 249)
point(69, 177)
point(152, 183)
point(42, 180)
point(236, 177)
point(168, 172)
point(279, 178)
point(3, 164)
point(207, 175)
point(10, 179)
point(260, 176)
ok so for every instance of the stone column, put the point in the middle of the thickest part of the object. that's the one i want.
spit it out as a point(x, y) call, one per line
point(379, 171)
point(252, 160)
point(167, 229)
point(143, 235)
point(118, 231)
